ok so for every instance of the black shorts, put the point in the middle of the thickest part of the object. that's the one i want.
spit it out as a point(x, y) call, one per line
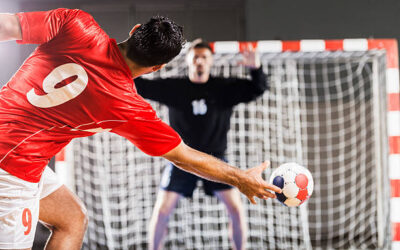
point(184, 183)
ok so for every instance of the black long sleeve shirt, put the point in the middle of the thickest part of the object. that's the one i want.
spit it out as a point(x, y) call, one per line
point(201, 113)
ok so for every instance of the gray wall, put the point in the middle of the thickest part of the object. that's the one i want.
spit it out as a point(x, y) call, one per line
point(313, 19)
point(225, 19)
point(9, 51)
point(210, 19)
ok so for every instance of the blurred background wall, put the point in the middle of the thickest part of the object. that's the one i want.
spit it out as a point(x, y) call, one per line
point(225, 20)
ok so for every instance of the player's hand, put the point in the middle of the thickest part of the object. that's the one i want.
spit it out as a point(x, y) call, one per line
point(254, 185)
point(251, 58)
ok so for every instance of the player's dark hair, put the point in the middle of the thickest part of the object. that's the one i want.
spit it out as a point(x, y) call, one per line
point(156, 42)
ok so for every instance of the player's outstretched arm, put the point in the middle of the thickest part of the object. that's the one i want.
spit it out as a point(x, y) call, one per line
point(249, 182)
point(10, 28)
point(251, 58)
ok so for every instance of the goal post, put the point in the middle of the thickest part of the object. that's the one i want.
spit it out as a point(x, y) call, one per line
point(392, 94)
point(333, 106)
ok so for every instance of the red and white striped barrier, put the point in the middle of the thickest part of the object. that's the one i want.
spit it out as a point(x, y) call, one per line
point(393, 92)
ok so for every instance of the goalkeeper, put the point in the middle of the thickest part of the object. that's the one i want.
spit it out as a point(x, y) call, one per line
point(200, 108)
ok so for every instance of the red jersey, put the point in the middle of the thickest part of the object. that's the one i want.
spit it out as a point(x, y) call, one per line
point(76, 83)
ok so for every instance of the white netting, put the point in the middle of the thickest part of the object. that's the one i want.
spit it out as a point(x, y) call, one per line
point(324, 110)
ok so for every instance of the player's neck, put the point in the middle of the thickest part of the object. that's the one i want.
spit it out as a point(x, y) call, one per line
point(199, 79)
point(122, 49)
point(136, 70)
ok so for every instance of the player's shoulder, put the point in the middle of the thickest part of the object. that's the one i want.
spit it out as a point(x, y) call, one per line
point(70, 12)
point(182, 83)
point(76, 16)
point(82, 14)
point(179, 80)
point(84, 25)
point(175, 79)
point(167, 80)
point(223, 80)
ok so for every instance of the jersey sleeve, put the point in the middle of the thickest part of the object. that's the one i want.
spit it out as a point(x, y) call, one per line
point(235, 91)
point(41, 27)
point(150, 134)
point(164, 91)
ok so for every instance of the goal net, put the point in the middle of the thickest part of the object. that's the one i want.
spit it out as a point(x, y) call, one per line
point(324, 110)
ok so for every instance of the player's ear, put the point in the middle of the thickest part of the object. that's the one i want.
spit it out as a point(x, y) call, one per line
point(134, 28)
point(189, 56)
point(211, 59)
point(158, 67)
point(211, 56)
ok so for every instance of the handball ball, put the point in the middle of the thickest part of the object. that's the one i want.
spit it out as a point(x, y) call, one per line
point(295, 181)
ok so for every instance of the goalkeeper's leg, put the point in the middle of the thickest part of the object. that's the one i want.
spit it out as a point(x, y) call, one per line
point(238, 222)
point(165, 204)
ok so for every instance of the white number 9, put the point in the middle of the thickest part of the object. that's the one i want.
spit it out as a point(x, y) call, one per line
point(61, 95)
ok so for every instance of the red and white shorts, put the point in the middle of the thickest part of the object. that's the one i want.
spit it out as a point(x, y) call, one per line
point(19, 207)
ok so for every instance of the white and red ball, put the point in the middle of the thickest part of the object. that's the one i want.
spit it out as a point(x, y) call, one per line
point(295, 181)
